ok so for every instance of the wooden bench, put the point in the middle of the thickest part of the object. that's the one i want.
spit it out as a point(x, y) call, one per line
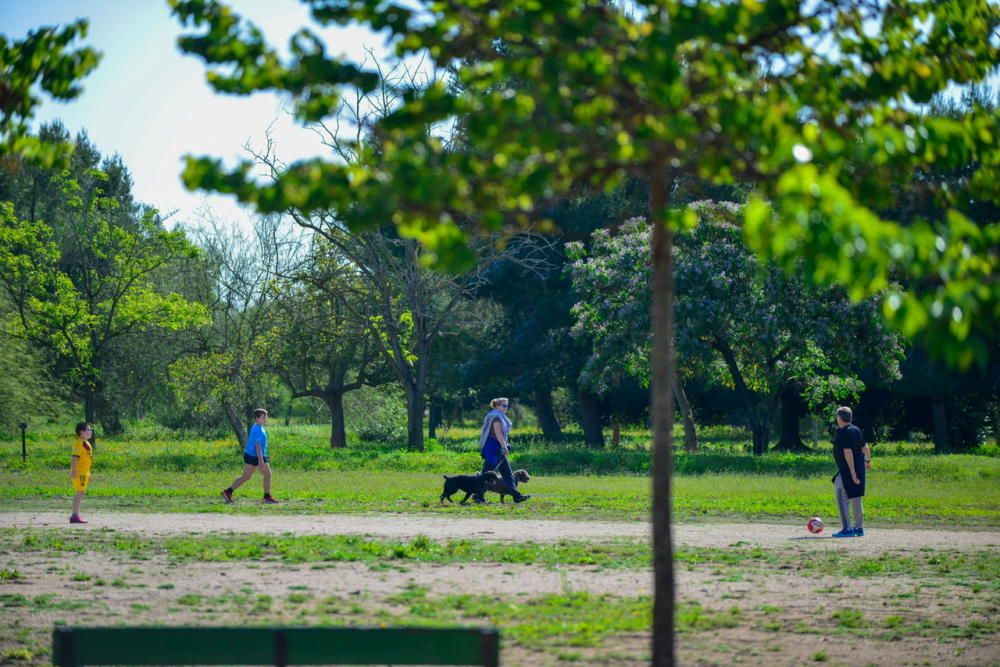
point(278, 646)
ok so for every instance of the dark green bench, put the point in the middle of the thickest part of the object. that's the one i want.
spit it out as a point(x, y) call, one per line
point(277, 646)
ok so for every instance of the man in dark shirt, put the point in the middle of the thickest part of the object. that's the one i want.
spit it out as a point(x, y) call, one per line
point(853, 457)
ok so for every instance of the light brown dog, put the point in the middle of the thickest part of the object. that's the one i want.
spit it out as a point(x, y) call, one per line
point(500, 486)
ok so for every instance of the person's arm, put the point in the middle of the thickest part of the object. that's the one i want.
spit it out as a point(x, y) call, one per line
point(849, 457)
point(255, 441)
point(867, 451)
point(498, 434)
point(72, 466)
point(258, 444)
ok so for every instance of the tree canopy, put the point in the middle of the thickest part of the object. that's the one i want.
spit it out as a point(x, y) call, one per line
point(43, 61)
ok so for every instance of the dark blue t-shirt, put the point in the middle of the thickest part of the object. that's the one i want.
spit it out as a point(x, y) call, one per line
point(848, 437)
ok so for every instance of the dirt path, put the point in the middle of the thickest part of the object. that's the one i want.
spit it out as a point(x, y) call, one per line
point(780, 616)
point(392, 526)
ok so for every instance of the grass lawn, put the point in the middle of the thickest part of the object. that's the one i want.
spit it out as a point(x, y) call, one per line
point(908, 486)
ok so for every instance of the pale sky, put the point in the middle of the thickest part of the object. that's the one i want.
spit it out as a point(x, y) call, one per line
point(151, 104)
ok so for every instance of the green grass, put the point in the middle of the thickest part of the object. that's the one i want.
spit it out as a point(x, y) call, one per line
point(306, 447)
point(972, 500)
point(721, 482)
point(971, 570)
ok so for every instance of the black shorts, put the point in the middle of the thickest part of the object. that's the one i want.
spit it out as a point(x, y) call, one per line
point(253, 460)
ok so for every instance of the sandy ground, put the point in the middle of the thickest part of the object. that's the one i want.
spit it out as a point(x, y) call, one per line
point(876, 540)
point(787, 618)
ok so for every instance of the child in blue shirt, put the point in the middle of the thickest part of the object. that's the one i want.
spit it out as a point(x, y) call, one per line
point(254, 458)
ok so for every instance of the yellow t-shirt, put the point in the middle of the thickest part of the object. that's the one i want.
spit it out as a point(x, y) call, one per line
point(85, 452)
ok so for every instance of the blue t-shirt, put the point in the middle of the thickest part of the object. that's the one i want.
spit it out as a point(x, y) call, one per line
point(257, 434)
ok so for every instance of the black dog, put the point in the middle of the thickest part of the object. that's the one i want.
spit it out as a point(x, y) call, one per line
point(472, 485)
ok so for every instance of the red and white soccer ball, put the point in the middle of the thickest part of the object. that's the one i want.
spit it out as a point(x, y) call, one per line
point(815, 525)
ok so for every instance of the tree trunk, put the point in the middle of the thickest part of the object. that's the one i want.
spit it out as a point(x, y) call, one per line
point(616, 432)
point(335, 403)
point(661, 408)
point(761, 432)
point(792, 408)
point(236, 422)
point(940, 417)
point(690, 435)
point(433, 418)
point(759, 427)
point(547, 420)
point(415, 404)
point(111, 423)
point(590, 419)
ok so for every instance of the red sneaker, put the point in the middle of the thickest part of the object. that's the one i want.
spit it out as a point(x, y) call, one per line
point(76, 518)
point(269, 500)
point(227, 495)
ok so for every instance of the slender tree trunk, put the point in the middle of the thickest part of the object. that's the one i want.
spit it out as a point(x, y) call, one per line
point(415, 403)
point(338, 435)
point(547, 420)
point(661, 408)
point(111, 422)
point(616, 432)
point(433, 418)
point(590, 419)
point(761, 433)
point(792, 408)
point(940, 416)
point(236, 422)
point(759, 426)
point(690, 435)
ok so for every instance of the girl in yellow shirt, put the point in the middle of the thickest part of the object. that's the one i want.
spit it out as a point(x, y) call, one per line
point(79, 467)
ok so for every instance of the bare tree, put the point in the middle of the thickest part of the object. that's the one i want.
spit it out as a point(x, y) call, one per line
point(408, 305)
point(228, 371)
point(321, 344)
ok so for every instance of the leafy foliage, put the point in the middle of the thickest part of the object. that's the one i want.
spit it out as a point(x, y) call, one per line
point(810, 101)
point(27, 389)
point(44, 59)
point(742, 322)
point(80, 283)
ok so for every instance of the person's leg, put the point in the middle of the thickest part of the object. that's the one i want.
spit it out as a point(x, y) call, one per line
point(77, 499)
point(242, 479)
point(841, 494)
point(481, 497)
point(265, 471)
point(859, 514)
point(508, 477)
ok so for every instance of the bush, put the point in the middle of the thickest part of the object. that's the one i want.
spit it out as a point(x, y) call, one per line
point(376, 414)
